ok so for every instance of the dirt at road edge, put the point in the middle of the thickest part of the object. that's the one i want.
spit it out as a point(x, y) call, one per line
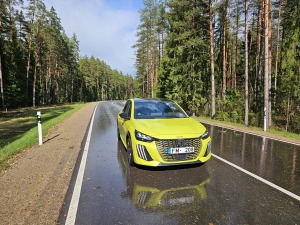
point(33, 189)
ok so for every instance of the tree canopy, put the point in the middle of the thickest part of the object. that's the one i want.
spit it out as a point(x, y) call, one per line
point(40, 64)
point(234, 60)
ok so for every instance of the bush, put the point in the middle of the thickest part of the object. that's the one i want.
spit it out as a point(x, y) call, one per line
point(231, 108)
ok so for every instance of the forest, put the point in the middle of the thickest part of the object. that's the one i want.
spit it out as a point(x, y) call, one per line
point(41, 65)
point(232, 60)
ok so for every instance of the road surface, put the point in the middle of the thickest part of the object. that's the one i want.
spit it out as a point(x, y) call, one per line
point(249, 180)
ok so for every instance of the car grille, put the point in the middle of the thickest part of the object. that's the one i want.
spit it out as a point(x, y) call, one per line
point(162, 147)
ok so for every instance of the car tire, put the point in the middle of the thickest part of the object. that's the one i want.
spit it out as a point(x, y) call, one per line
point(129, 152)
point(118, 132)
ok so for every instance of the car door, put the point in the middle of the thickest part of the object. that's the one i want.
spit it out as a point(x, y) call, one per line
point(123, 123)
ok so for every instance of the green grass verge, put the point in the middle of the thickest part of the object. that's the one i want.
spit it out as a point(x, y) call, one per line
point(16, 142)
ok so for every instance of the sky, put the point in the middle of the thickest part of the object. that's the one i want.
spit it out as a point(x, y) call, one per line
point(106, 29)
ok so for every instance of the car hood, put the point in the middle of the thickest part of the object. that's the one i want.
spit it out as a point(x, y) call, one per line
point(170, 128)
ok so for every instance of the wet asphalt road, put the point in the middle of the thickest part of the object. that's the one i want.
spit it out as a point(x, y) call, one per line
point(213, 193)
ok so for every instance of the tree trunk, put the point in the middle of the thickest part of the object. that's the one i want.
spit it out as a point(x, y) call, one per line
point(162, 45)
point(48, 82)
point(277, 52)
point(29, 53)
point(270, 60)
point(236, 47)
point(266, 65)
point(1, 77)
point(246, 65)
point(287, 113)
point(34, 85)
point(28, 65)
point(224, 85)
point(258, 61)
point(212, 64)
point(1, 84)
point(151, 70)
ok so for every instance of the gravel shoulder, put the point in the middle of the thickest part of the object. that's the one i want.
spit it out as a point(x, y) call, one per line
point(33, 189)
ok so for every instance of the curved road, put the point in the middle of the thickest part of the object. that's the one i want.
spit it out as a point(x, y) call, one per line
point(249, 180)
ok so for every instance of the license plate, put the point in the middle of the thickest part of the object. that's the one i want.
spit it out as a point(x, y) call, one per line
point(181, 150)
point(180, 201)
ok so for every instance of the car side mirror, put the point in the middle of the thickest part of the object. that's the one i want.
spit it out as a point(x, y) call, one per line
point(124, 115)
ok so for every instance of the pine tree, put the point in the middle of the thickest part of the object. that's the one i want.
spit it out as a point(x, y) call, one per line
point(289, 81)
point(2, 17)
point(150, 45)
point(186, 54)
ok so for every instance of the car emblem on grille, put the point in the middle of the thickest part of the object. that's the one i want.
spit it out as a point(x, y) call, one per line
point(180, 143)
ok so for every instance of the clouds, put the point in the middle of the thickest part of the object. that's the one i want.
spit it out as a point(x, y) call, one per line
point(105, 29)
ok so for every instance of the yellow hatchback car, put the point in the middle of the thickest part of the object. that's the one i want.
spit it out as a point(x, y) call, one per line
point(158, 132)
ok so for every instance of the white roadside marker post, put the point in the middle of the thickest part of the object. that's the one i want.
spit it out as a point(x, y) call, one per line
point(39, 121)
point(265, 119)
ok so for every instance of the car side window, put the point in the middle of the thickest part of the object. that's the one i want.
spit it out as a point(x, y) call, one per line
point(127, 108)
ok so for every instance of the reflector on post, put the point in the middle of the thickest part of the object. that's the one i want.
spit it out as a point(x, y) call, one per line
point(39, 121)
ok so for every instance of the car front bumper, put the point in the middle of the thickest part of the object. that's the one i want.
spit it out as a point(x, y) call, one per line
point(152, 154)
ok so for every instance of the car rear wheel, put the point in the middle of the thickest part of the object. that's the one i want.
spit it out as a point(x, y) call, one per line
point(129, 152)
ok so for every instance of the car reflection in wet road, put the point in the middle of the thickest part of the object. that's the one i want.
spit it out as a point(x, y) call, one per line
point(212, 193)
point(163, 192)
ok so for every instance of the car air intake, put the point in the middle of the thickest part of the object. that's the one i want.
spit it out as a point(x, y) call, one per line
point(143, 153)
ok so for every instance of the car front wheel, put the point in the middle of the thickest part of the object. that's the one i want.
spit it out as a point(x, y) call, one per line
point(129, 152)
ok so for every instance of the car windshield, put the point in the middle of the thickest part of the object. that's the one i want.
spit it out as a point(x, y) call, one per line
point(157, 109)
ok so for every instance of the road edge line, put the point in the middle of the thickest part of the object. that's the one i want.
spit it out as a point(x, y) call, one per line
point(259, 178)
point(72, 212)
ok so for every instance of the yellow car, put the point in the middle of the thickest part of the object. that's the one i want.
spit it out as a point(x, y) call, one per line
point(157, 132)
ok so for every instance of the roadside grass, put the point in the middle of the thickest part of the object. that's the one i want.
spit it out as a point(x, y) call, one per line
point(18, 128)
point(278, 132)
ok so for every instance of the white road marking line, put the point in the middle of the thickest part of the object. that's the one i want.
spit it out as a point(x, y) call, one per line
point(71, 217)
point(259, 178)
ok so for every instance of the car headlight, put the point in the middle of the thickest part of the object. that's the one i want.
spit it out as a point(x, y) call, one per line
point(143, 137)
point(205, 135)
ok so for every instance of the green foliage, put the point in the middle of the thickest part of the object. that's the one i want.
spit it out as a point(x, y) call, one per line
point(231, 108)
point(100, 82)
point(184, 69)
point(288, 92)
point(40, 64)
point(150, 46)
point(181, 75)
